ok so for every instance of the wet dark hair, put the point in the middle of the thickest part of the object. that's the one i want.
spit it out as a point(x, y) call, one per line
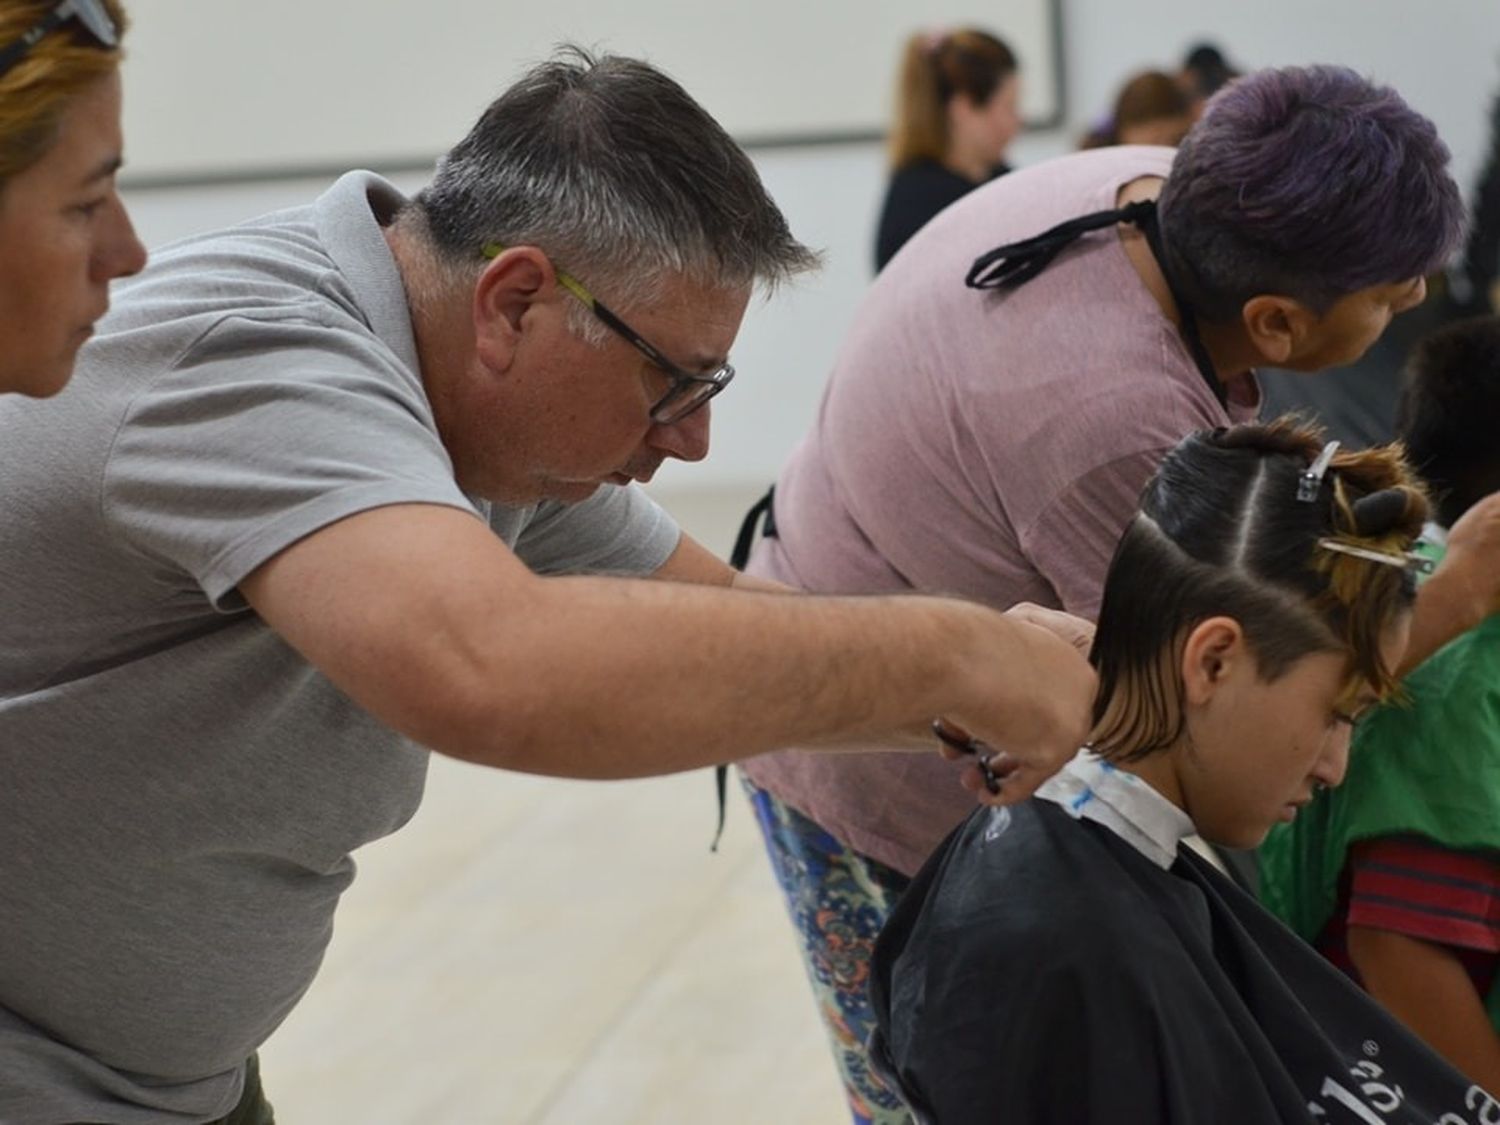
point(1450, 412)
point(1221, 532)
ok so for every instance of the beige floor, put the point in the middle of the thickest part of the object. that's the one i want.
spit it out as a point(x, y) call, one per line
point(537, 952)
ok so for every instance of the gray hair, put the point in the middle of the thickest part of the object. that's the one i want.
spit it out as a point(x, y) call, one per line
point(609, 166)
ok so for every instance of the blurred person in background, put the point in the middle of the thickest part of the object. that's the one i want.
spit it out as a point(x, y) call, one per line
point(1474, 282)
point(1150, 109)
point(957, 110)
point(1205, 71)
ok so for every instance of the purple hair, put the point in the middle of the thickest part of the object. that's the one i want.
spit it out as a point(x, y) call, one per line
point(1307, 182)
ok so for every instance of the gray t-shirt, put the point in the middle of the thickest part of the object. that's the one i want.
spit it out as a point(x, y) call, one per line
point(181, 790)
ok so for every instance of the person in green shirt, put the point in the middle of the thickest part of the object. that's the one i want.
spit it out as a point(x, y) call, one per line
point(1396, 874)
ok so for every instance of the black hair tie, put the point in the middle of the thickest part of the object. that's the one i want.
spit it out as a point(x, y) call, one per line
point(1016, 263)
point(1379, 512)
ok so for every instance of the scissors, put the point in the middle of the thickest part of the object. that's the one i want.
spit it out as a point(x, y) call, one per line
point(984, 757)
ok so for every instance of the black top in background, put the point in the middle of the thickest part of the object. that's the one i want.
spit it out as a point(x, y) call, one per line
point(916, 193)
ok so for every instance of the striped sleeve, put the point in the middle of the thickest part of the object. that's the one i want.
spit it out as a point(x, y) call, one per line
point(1412, 886)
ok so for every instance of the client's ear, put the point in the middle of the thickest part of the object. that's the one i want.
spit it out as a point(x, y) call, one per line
point(1213, 650)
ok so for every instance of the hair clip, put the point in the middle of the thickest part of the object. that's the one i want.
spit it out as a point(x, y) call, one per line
point(1408, 561)
point(1311, 481)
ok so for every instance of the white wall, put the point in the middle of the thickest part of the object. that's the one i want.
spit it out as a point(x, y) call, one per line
point(1444, 57)
point(290, 85)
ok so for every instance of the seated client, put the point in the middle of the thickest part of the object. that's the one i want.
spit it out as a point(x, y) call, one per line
point(1068, 960)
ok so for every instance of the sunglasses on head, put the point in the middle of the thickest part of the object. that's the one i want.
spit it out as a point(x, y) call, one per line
point(92, 14)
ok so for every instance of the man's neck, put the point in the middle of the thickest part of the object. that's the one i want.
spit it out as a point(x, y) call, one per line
point(1233, 357)
point(436, 326)
point(1229, 350)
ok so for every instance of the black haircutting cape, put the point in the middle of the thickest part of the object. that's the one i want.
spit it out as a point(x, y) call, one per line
point(1053, 975)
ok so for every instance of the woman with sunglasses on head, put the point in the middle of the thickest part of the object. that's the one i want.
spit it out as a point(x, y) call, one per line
point(63, 229)
point(1068, 959)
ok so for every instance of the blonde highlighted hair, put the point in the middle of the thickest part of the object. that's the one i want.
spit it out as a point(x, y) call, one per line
point(937, 67)
point(1223, 531)
point(35, 92)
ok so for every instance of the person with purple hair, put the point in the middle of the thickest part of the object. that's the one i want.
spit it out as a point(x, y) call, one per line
point(994, 414)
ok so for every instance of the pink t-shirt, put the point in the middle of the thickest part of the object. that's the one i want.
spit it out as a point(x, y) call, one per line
point(989, 444)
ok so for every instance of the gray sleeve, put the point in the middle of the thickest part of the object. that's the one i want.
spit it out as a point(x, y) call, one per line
point(261, 435)
point(617, 530)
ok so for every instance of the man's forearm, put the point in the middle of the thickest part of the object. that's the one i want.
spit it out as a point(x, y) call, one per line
point(445, 636)
point(674, 677)
point(751, 583)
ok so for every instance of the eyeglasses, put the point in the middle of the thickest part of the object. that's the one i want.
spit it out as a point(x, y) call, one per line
point(688, 391)
point(91, 13)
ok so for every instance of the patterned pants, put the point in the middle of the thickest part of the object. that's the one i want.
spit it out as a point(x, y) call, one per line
point(838, 901)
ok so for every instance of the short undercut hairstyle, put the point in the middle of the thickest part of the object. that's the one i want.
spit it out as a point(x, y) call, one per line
point(1310, 183)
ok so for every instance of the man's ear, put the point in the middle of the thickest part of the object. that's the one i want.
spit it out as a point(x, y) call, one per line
point(1277, 326)
point(504, 295)
point(1213, 650)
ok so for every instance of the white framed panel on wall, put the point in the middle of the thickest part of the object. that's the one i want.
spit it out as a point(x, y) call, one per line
point(224, 90)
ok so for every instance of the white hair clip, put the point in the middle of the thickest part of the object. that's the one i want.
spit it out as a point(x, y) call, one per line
point(1311, 481)
point(1406, 561)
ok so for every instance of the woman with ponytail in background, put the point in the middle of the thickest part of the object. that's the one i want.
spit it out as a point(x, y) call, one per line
point(957, 110)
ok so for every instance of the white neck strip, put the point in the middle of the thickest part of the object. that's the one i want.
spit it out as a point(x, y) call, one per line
point(1089, 788)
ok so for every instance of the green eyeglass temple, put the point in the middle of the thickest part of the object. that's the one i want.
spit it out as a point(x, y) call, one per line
point(688, 392)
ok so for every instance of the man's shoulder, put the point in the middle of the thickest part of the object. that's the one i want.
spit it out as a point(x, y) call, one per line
point(276, 263)
point(263, 297)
